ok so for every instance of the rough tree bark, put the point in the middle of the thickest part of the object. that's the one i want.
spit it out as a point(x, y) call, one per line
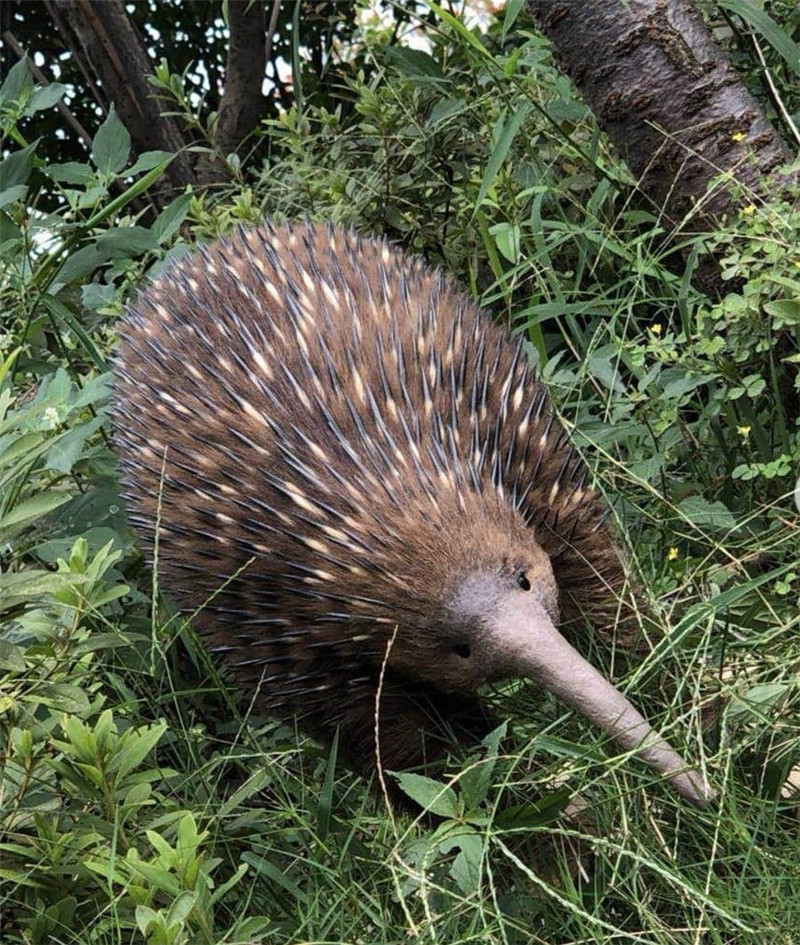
point(674, 107)
point(242, 102)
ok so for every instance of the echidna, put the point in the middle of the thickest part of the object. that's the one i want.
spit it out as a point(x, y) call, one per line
point(355, 477)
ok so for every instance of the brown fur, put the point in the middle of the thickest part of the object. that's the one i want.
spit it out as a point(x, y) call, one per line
point(301, 409)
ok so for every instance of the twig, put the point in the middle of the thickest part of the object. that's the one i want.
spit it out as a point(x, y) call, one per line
point(378, 765)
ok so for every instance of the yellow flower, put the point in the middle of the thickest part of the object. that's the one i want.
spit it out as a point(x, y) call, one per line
point(743, 432)
point(748, 211)
point(656, 329)
point(672, 554)
point(738, 136)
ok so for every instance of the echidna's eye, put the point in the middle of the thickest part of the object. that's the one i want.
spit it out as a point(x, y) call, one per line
point(462, 650)
point(523, 582)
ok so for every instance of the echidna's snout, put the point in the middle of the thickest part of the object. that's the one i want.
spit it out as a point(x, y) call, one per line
point(518, 638)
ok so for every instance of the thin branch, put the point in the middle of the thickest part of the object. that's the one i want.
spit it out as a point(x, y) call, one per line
point(41, 78)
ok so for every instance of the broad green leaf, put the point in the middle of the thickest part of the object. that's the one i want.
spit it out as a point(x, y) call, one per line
point(69, 447)
point(148, 160)
point(63, 697)
point(134, 747)
point(17, 83)
point(476, 779)
point(122, 241)
point(71, 172)
point(466, 868)
point(111, 146)
point(414, 63)
point(431, 795)
point(12, 659)
point(16, 168)
point(446, 108)
point(29, 510)
point(12, 194)
point(677, 383)
point(170, 218)
point(707, 515)
point(24, 586)
point(46, 96)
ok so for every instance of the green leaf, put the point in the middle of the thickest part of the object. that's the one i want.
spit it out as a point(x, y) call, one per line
point(677, 383)
point(170, 218)
point(325, 802)
point(111, 146)
point(460, 29)
point(148, 160)
point(28, 511)
point(704, 514)
point(17, 83)
point(24, 586)
point(134, 747)
point(95, 295)
point(759, 700)
point(413, 63)
point(507, 238)
point(9, 230)
point(46, 96)
point(446, 108)
point(12, 659)
point(71, 172)
point(13, 194)
point(77, 266)
point(16, 168)
point(276, 873)
point(476, 780)
point(181, 907)
point(188, 835)
point(431, 795)
point(121, 242)
point(503, 135)
point(466, 868)
point(509, 19)
point(69, 447)
point(63, 697)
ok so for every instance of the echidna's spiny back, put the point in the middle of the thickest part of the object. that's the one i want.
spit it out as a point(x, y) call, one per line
point(328, 431)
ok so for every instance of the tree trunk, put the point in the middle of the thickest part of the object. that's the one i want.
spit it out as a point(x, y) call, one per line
point(670, 101)
point(107, 45)
point(243, 101)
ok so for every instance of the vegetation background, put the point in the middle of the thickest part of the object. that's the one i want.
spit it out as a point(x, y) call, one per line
point(138, 803)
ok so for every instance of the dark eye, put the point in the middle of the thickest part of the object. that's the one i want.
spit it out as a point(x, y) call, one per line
point(523, 582)
point(462, 650)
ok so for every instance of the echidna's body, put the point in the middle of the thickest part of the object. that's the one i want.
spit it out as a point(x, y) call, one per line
point(343, 451)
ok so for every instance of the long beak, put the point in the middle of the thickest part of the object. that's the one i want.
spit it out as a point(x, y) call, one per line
point(537, 650)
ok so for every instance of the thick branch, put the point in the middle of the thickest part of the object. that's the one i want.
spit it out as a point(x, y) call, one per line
point(670, 101)
point(106, 44)
point(243, 102)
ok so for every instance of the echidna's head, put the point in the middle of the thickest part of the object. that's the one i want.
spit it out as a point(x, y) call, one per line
point(489, 612)
point(462, 570)
point(495, 614)
point(487, 609)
